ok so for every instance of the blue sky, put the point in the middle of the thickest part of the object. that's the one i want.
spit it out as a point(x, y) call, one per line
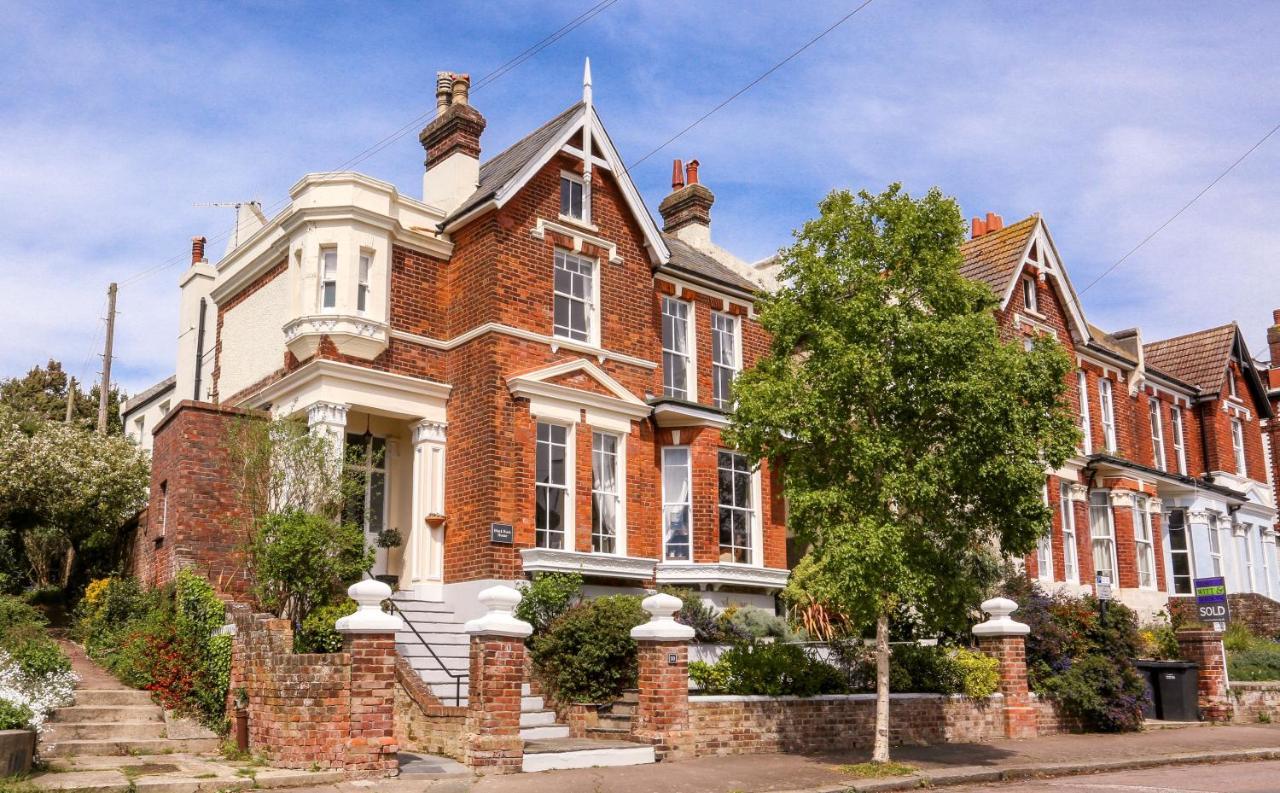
point(115, 118)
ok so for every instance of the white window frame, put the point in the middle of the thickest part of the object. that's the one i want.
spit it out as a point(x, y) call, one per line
point(689, 356)
point(1237, 446)
point(1144, 539)
point(1188, 551)
point(328, 277)
point(573, 179)
point(669, 500)
point(1044, 545)
point(591, 303)
point(1215, 545)
point(1179, 440)
point(364, 274)
point(1030, 299)
point(1106, 406)
point(568, 525)
point(734, 365)
point(1231, 384)
point(1266, 561)
point(619, 495)
point(752, 511)
point(1157, 434)
point(1107, 537)
point(1086, 426)
point(1070, 553)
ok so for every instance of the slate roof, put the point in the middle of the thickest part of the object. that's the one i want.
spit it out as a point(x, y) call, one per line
point(993, 257)
point(685, 257)
point(148, 395)
point(496, 172)
point(1198, 358)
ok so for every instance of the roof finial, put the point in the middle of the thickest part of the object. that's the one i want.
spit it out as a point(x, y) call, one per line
point(586, 83)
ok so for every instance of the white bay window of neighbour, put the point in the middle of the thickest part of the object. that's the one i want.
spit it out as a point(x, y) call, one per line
point(362, 285)
point(736, 515)
point(328, 277)
point(604, 492)
point(677, 506)
point(1180, 552)
point(1215, 543)
point(574, 297)
point(675, 348)
point(552, 485)
point(725, 351)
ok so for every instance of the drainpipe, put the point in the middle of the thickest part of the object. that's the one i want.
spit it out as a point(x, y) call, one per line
point(199, 351)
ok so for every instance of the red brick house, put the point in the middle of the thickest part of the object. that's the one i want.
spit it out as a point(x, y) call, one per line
point(534, 372)
point(1171, 481)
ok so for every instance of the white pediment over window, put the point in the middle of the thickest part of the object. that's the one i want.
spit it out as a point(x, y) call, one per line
point(559, 401)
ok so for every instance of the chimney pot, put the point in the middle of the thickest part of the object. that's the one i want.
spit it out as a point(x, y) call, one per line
point(692, 172)
point(994, 222)
point(1275, 317)
point(444, 90)
point(978, 229)
point(677, 175)
point(461, 88)
point(197, 249)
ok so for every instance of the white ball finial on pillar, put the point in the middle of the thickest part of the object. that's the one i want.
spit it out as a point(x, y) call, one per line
point(369, 617)
point(499, 619)
point(1000, 623)
point(662, 625)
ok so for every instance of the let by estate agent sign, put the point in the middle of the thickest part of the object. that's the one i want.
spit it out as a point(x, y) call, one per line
point(1211, 602)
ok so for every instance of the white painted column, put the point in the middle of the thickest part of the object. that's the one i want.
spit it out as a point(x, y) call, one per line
point(329, 420)
point(425, 549)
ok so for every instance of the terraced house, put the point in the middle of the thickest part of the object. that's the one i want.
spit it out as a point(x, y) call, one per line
point(1171, 481)
point(532, 372)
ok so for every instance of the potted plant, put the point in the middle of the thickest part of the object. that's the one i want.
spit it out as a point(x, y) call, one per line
point(388, 539)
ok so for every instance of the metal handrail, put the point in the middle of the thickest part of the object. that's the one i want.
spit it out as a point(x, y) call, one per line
point(457, 676)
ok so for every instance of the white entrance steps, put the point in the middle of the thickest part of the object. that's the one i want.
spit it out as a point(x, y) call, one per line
point(560, 753)
point(436, 646)
point(537, 722)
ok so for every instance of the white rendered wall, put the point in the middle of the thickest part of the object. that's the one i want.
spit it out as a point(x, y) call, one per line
point(252, 342)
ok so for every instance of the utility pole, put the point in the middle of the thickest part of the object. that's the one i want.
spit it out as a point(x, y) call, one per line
point(106, 360)
point(71, 399)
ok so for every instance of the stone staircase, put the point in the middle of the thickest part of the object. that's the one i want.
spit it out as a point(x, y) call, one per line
point(445, 668)
point(613, 722)
point(110, 719)
point(434, 625)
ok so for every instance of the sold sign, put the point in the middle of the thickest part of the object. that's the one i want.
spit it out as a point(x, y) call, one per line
point(1211, 601)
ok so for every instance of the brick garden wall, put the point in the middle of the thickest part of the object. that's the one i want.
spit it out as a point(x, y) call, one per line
point(754, 725)
point(326, 710)
point(1256, 702)
point(1259, 613)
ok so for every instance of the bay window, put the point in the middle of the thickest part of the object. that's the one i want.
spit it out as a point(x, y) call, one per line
point(362, 285)
point(552, 485)
point(1144, 538)
point(605, 492)
point(677, 506)
point(1179, 440)
point(1086, 429)
point(1102, 532)
point(737, 517)
point(1070, 560)
point(1180, 552)
point(1215, 544)
point(328, 278)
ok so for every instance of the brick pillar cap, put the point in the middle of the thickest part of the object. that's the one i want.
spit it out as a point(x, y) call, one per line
point(661, 625)
point(1000, 623)
point(500, 619)
point(369, 618)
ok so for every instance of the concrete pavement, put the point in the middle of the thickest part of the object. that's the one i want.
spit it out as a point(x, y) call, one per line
point(1259, 777)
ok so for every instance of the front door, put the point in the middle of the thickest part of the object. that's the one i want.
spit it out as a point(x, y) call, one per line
point(366, 466)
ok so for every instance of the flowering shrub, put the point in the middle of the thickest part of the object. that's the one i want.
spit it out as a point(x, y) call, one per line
point(165, 641)
point(1075, 657)
point(32, 696)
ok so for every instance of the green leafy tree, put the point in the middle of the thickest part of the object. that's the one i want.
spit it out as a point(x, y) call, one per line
point(912, 440)
point(65, 493)
point(41, 395)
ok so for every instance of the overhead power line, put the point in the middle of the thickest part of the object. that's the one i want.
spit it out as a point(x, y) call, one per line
point(751, 84)
point(498, 73)
point(1184, 208)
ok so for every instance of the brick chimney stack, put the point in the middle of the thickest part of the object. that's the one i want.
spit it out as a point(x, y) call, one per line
point(1273, 339)
point(686, 213)
point(993, 222)
point(452, 144)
